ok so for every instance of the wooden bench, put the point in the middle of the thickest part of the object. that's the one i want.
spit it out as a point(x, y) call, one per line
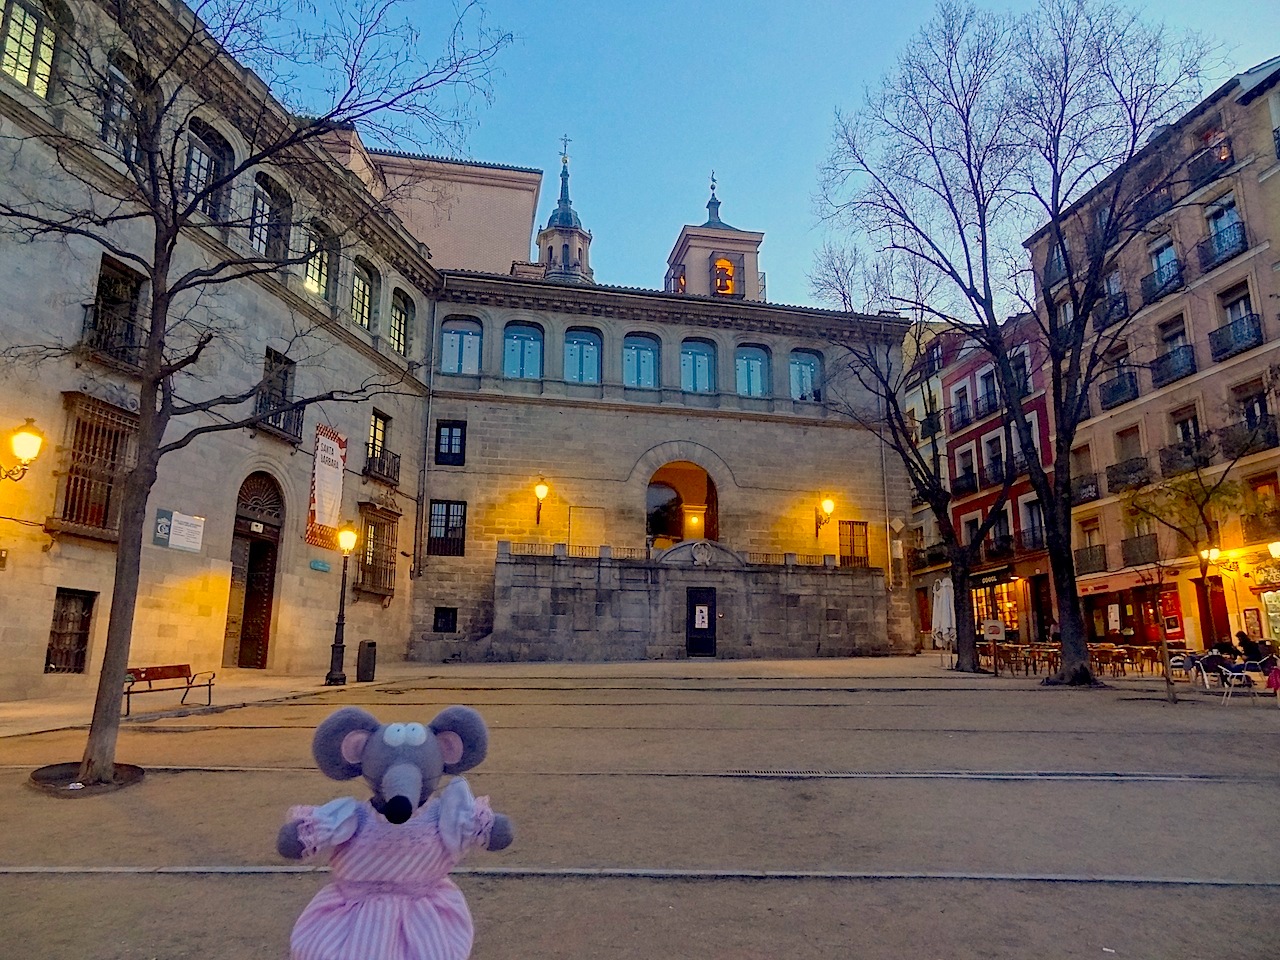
point(177, 671)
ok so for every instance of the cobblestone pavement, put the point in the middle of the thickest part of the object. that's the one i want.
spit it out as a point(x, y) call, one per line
point(802, 809)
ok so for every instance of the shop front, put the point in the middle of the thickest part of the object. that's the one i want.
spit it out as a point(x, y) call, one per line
point(1130, 608)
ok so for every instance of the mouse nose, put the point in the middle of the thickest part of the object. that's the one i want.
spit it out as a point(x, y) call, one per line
point(398, 809)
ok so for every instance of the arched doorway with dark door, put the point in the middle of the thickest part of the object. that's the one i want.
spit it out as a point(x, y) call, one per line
point(254, 550)
point(681, 504)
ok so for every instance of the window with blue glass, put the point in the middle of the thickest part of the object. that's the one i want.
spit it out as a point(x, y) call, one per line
point(460, 342)
point(697, 366)
point(522, 352)
point(806, 376)
point(752, 368)
point(641, 358)
point(582, 356)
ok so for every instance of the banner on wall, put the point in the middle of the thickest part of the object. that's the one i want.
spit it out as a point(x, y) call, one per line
point(327, 471)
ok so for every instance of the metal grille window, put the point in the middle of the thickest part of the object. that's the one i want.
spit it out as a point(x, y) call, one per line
point(401, 320)
point(101, 446)
point(853, 544)
point(376, 569)
point(69, 635)
point(446, 620)
point(447, 532)
point(27, 50)
point(451, 443)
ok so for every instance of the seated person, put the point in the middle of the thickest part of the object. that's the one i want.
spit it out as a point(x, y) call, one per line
point(1249, 646)
point(1226, 648)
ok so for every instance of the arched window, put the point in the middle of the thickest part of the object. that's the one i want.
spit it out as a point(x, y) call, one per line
point(723, 279)
point(460, 342)
point(122, 106)
point(522, 352)
point(365, 290)
point(27, 39)
point(320, 270)
point(752, 369)
point(697, 366)
point(270, 213)
point(582, 356)
point(641, 361)
point(564, 254)
point(664, 517)
point(806, 376)
point(209, 158)
point(401, 321)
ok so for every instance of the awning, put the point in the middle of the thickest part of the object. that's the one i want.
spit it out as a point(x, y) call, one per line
point(989, 578)
point(1124, 580)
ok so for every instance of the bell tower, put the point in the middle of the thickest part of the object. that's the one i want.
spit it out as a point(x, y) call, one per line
point(564, 248)
point(715, 259)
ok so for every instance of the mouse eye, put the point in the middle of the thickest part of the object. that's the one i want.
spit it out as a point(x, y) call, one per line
point(394, 735)
point(415, 734)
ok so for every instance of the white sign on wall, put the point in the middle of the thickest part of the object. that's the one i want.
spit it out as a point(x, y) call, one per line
point(178, 531)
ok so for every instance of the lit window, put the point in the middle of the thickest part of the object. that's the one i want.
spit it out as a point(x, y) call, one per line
point(376, 564)
point(697, 367)
point(806, 376)
point(641, 354)
point(582, 356)
point(364, 286)
point(723, 277)
point(522, 352)
point(401, 321)
point(752, 365)
point(318, 271)
point(460, 342)
point(27, 50)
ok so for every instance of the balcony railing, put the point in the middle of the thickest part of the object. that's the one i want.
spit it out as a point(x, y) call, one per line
point(1185, 456)
point(1121, 388)
point(1174, 365)
point(382, 465)
point(999, 547)
point(930, 556)
point(1152, 205)
point(1128, 474)
point(1162, 281)
point(965, 484)
point(1032, 538)
point(1261, 527)
point(286, 424)
point(1085, 487)
point(1139, 550)
point(1238, 440)
point(114, 334)
point(961, 417)
point(1236, 337)
point(985, 405)
point(1221, 246)
point(1210, 164)
point(1110, 312)
point(1091, 559)
point(993, 473)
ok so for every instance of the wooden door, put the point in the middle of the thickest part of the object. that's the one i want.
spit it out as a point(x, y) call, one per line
point(700, 622)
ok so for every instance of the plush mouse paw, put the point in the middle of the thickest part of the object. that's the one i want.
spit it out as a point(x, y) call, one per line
point(501, 833)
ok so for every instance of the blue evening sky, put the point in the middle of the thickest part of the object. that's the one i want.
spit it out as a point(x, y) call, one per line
point(657, 93)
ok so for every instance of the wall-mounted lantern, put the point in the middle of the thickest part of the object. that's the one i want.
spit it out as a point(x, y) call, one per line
point(822, 514)
point(540, 490)
point(25, 443)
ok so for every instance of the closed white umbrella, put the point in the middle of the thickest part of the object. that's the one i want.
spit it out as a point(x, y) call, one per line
point(944, 614)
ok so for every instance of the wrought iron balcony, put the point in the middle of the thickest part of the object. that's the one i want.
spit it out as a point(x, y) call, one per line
point(286, 424)
point(1128, 474)
point(985, 405)
point(1161, 282)
point(1221, 246)
point(998, 547)
point(382, 464)
point(1152, 205)
point(1085, 487)
point(1238, 440)
point(1091, 559)
point(993, 474)
point(1174, 365)
point(965, 484)
point(1110, 312)
point(1139, 550)
point(1210, 164)
point(1185, 456)
point(1261, 527)
point(1236, 337)
point(114, 334)
point(1121, 388)
point(929, 556)
point(961, 417)
point(1031, 538)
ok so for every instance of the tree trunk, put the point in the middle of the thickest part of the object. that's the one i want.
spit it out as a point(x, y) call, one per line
point(966, 635)
point(1074, 669)
point(98, 764)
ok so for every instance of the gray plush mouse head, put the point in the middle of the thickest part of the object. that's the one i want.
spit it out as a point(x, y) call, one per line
point(402, 762)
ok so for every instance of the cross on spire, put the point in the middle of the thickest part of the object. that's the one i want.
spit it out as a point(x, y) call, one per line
point(564, 148)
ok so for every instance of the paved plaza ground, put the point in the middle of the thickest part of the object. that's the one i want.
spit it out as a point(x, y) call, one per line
point(863, 809)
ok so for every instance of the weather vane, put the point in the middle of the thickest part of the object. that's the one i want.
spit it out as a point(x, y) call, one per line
point(713, 183)
point(564, 148)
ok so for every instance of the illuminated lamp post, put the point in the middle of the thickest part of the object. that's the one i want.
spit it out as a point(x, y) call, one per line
point(25, 443)
point(335, 677)
point(540, 490)
point(822, 515)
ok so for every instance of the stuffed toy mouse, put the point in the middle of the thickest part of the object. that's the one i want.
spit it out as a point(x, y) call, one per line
point(391, 897)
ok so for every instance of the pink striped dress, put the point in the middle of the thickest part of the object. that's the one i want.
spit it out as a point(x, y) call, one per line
point(391, 897)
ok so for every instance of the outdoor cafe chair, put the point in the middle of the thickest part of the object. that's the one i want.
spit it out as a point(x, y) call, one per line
point(1233, 679)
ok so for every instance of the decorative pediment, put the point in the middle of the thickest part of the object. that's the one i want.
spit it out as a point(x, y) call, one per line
point(701, 553)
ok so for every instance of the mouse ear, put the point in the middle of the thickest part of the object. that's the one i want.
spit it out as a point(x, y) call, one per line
point(340, 740)
point(462, 736)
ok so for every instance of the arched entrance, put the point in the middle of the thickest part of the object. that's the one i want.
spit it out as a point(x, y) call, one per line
point(681, 504)
point(254, 545)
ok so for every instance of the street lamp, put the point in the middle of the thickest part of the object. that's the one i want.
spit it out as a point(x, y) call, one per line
point(25, 443)
point(335, 677)
point(822, 514)
point(540, 490)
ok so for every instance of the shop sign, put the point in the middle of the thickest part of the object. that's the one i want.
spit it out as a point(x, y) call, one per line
point(990, 578)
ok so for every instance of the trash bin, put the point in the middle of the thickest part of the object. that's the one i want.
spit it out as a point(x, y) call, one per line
point(366, 661)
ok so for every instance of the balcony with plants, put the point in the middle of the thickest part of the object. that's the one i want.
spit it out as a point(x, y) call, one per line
point(1186, 456)
point(1241, 439)
point(1262, 526)
point(928, 556)
point(1236, 337)
point(998, 547)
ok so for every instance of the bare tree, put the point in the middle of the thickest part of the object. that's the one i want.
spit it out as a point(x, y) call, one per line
point(132, 91)
point(990, 128)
